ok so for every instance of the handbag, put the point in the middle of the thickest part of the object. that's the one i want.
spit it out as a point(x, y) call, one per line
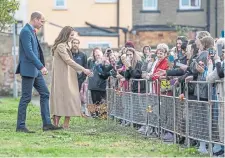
point(165, 85)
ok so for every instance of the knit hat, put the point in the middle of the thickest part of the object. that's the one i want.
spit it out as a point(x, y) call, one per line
point(129, 44)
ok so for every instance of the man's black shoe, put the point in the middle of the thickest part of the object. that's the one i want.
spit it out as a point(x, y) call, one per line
point(25, 130)
point(51, 128)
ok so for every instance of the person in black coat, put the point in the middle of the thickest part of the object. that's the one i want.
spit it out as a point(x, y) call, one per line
point(80, 58)
point(97, 82)
point(133, 65)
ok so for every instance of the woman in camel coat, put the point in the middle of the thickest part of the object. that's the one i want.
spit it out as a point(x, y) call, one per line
point(65, 97)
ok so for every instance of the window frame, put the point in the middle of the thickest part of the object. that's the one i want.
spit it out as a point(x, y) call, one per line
point(60, 7)
point(98, 44)
point(149, 8)
point(105, 1)
point(181, 7)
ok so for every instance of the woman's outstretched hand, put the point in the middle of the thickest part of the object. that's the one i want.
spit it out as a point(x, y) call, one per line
point(87, 72)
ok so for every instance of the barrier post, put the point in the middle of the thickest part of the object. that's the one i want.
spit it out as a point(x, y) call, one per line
point(187, 114)
point(147, 111)
point(132, 105)
point(174, 118)
point(210, 119)
point(107, 99)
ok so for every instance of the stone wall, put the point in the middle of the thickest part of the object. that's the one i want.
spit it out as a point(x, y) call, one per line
point(152, 38)
point(6, 64)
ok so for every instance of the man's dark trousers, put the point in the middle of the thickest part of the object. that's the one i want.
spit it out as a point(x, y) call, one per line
point(27, 85)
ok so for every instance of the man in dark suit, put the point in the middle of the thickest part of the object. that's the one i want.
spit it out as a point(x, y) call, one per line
point(31, 67)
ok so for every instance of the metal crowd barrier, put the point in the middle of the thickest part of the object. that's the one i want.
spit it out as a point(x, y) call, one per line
point(195, 118)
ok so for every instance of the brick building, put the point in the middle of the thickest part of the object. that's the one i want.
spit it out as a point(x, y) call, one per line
point(155, 21)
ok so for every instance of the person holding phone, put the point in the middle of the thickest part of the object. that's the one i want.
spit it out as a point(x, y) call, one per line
point(133, 64)
point(199, 68)
point(97, 82)
point(217, 73)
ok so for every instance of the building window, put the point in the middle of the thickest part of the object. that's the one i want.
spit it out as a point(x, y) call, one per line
point(103, 45)
point(190, 4)
point(60, 4)
point(150, 4)
point(105, 1)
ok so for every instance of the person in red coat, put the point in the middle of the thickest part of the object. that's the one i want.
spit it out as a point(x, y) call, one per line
point(161, 66)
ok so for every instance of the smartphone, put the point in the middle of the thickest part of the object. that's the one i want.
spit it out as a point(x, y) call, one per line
point(219, 49)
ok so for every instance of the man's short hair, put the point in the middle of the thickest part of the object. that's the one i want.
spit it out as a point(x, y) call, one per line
point(78, 41)
point(36, 15)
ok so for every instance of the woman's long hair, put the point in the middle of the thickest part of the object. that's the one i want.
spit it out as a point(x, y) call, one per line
point(136, 57)
point(183, 39)
point(93, 52)
point(62, 37)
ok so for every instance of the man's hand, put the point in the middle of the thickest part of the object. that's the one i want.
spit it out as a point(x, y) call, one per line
point(120, 69)
point(119, 76)
point(44, 71)
point(176, 83)
point(188, 79)
point(88, 72)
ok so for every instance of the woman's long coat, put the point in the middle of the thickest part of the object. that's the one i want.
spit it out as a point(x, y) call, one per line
point(65, 96)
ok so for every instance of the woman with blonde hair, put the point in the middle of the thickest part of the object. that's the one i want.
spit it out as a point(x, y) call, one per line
point(65, 97)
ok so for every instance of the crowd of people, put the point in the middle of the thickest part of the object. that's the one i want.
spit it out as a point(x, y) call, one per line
point(197, 60)
point(73, 73)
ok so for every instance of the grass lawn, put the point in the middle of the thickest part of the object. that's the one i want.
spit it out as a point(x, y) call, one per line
point(87, 137)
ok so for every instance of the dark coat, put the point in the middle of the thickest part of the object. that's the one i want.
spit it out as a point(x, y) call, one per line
point(135, 74)
point(31, 58)
point(81, 59)
point(100, 75)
